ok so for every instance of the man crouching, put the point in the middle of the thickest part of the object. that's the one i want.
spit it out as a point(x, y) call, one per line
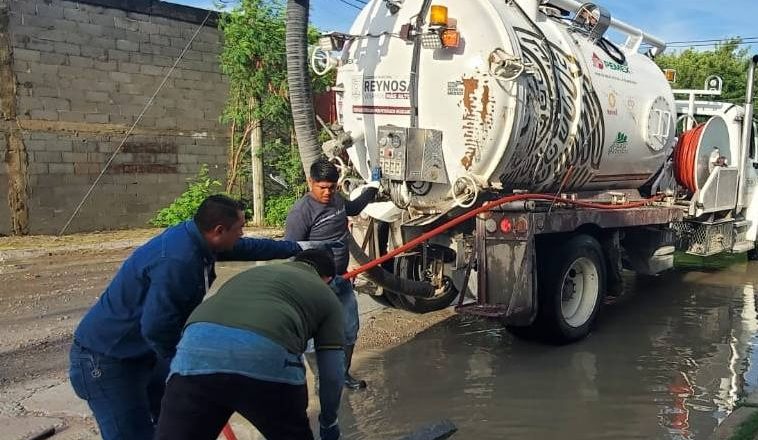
point(241, 351)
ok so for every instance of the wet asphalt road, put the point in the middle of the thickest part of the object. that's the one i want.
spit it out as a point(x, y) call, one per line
point(667, 361)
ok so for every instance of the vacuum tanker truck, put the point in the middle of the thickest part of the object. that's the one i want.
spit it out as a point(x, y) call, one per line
point(527, 158)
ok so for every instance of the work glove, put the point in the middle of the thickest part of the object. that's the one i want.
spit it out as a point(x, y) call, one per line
point(376, 177)
point(330, 433)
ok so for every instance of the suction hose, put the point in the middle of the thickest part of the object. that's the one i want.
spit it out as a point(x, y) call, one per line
point(304, 119)
point(487, 207)
point(299, 79)
point(685, 155)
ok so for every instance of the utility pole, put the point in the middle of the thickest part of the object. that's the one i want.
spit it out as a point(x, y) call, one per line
point(256, 143)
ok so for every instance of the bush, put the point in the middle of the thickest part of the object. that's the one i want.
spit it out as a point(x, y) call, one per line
point(277, 208)
point(184, 207)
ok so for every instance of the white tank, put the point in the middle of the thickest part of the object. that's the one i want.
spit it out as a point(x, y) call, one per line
point(574, 119)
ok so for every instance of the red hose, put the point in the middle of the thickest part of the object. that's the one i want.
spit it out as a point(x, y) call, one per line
point(685, 155)
point(487, 207)
point(228, 432)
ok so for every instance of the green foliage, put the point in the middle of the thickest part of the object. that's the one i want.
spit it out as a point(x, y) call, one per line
point(694, 66)
point(254, 60)
point(283, 160)
point(184, 207)
point(277, 208)
point(714, 262)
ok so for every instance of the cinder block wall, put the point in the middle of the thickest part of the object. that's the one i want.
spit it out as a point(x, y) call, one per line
point(84, 72)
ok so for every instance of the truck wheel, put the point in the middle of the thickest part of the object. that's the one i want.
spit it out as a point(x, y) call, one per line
point(409, 266)
point(571, 288)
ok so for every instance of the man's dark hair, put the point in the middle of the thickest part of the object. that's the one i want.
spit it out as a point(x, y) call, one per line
point(217, 210)
point(319, 259)
point(324, 171)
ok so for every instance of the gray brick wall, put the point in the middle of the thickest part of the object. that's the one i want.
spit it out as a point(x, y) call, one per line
point(85, 73)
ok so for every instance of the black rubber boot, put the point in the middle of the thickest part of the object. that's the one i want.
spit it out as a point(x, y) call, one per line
point(350, 381)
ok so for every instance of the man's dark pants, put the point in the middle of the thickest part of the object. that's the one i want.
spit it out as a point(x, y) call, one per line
point(123, 394)
point(197, 407)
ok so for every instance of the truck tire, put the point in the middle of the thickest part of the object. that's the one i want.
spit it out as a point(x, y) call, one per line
point(752, 254)
point(571, 286)
point(408, 267)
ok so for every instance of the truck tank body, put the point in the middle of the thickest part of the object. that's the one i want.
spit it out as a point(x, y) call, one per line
point(573, 120)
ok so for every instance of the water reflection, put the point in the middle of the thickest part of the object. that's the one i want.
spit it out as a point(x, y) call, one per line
point(669, 361)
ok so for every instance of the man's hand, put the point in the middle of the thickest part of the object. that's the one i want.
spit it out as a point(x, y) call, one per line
point(330, 433)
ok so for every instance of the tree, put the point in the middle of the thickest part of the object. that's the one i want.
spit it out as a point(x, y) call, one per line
point(258, 110)
point(726, 60)
point(253, 60)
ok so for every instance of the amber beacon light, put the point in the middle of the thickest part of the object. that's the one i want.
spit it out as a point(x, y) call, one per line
point(438, 15)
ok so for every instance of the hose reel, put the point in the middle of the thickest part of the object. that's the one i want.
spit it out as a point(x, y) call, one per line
point(699, 151)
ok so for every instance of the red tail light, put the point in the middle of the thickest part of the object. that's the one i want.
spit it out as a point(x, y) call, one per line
point(506, 226)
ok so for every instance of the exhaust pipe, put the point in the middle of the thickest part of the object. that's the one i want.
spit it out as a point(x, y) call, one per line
point(747, 130)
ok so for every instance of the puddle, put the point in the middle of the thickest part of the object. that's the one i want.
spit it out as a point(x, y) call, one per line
point(668, 361)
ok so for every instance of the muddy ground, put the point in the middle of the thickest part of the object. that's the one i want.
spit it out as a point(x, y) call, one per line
point(47, 284)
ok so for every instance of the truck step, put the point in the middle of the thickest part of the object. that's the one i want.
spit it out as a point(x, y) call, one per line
point(743, 246)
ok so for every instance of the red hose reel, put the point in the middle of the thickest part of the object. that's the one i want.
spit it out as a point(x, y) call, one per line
point(699, 150)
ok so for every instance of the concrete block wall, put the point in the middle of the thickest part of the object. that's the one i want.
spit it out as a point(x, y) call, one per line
point(85, 71)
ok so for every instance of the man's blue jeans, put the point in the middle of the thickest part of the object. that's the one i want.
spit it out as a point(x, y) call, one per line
point(123, 394)
point(344, 290)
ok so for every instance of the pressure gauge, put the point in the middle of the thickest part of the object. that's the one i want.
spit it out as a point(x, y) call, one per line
point(394, 141)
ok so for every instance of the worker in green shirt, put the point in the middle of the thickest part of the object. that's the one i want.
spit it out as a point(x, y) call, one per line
point(241, 351)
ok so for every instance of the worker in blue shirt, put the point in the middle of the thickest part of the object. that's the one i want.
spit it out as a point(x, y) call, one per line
point(123, 345)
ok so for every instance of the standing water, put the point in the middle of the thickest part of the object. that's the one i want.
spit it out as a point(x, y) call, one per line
point(669, 360)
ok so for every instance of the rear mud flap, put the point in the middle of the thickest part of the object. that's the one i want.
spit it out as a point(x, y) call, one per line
point(506, 276)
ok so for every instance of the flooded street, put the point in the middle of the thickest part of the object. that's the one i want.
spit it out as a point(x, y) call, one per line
point(668, 361)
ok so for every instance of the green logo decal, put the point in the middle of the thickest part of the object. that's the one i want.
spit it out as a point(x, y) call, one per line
point(620, 145)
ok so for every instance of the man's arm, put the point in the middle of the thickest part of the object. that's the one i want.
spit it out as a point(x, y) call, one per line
point(174, 292)
point(260, 249)
point(331, 375)
point(329, 340)
point(354, 207)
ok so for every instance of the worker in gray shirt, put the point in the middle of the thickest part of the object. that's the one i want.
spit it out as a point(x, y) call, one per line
point(321, 215)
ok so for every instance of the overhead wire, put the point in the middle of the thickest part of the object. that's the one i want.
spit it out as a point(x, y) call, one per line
point(708, 45)
point(711, 40)
point(350, 4)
